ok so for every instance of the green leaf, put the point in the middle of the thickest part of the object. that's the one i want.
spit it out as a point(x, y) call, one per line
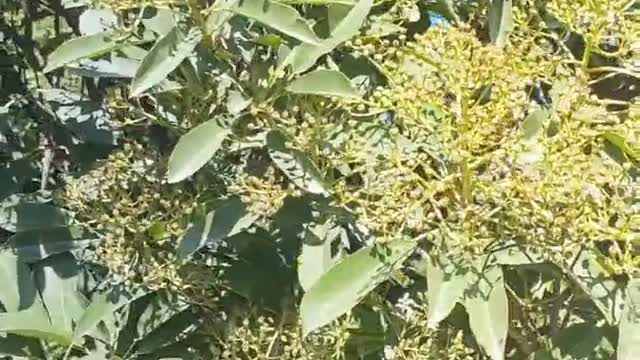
point(583, 341)
point(325, 83)
point(316, 259)
point(195, 149)
point(34, 245)
point(446, 281)
point(27, 216)
point(81, 48)
point(278, 16)
point(596, 282)
point(169, 332)
point(33, 322)
point(500, 21)
point(488, 309)
point(626, 147)
point(103, 306)
point(56, 278)
point(303, 56)
point(19, 290)
point(295, 164)
point(534, 123)
point(348, 281)
point(228, 219)
point(163, 58)
point(629, 339)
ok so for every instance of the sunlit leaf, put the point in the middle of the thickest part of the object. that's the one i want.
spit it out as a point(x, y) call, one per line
point(81, 48)
point(295, 164)
point(500, 21)
point(196, 148)
point(629, 340)
point(488, 308)
point(163, 58)
point(446, 281)
point(325, 83)
point(348, 281)
point(278, 16)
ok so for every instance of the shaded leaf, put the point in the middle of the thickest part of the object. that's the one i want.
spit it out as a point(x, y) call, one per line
point(583, 341)
point(488, 309)
point(500, 21)
point(446, 281)
point(19, 290)
point(195, 149)
point(303, 56)
point(278, 16)
point(171, 331)
point(629, 339)
point(295, 164)
point(348, 281)
point(325, 83)
point(36, 245)
point(163, 58)
point(510, 253)
point(33, 322)
point(81, 48)
point(26, 216)
point(227, 220)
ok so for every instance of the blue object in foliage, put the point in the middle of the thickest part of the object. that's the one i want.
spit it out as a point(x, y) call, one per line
point(438, 20)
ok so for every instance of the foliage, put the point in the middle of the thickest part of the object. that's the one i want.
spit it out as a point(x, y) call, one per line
point(297, 179)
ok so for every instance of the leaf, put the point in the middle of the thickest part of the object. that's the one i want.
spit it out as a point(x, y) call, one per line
point(629, 340)
point(19, 290)
point(316, 259)
point(163, 58)
point(160, 21)
point(625, 146)
point(56, 278)
point(95, 21)
point(348, 281)
point(583, 341)
point(488, 309)
point(295, 164)
point(500, 21)
point(169, 332)
point(303, 56)
point(195, 149)
point(606, 293)
point(534, 123)
point(446, 281)
point(34, 245)
point(101, 307)
point(227, 220)
point(325, 83)
point(26, 216)
point(81, 48)
point(33, 322)
point(510, 253)
point(278, 16)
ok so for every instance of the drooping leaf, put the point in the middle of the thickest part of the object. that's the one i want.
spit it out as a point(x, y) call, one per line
point(295, 164)
point(163, 58)
point(56, 278)
point(316, 258)
point(446, 281)
point(323, 82)
point(488, 308)
point(34, 245)
point(227, 220)
point(278, 16)
point(27, 216)
point(195, 149)
point(303, 56)
point(103, 306)
point(500, 21)
point(82, 48)
point(348, 281)
point(116, 67)
point(629, 339)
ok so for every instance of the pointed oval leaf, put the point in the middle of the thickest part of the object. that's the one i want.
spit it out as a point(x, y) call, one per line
point(295, 164)
point(27, 216)
point(19, 289)
point(101, 307)
point(195, 149)
point(629, 340)
point(348, 281)
point(227, 220)
point(488, 310)
point(278, 16)
point(500, 21)
point(324, 82)
point(33, 322)
point(163, 58)
point(446, 283)
point(303, 56)
point(35, 245)
point(81, 48)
